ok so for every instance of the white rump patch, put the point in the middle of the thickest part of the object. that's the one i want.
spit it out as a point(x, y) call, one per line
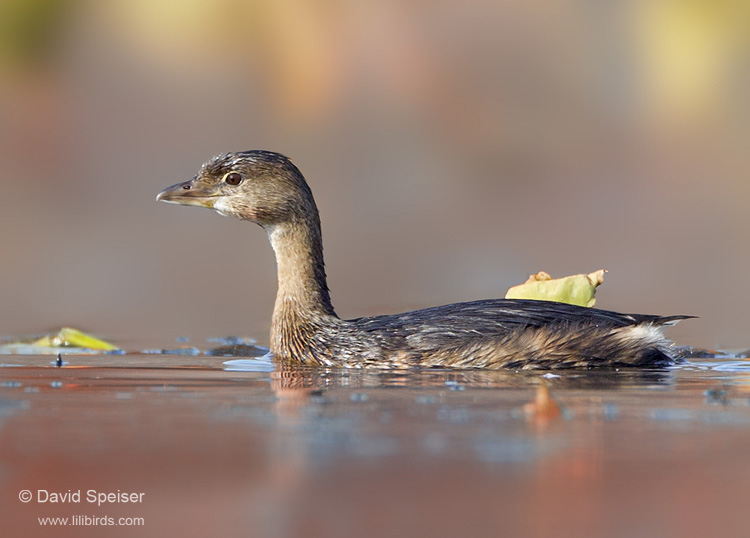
point(648, 334)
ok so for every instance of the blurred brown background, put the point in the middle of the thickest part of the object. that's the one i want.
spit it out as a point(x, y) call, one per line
point(453, 148)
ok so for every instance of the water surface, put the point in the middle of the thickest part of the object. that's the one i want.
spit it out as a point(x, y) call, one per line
point(228, 447)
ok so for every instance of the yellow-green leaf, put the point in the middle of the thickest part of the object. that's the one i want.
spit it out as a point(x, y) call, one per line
point(68, 337)
point(576, 289)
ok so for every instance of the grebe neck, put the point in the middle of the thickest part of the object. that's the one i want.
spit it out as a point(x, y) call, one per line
point(303, 291)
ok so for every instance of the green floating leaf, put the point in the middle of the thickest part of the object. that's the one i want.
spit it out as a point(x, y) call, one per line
point(576, 289)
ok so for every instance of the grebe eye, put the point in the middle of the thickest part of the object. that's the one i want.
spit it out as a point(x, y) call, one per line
point(233, 178)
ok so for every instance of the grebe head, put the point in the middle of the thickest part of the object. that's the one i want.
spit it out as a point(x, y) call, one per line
point(259, 186)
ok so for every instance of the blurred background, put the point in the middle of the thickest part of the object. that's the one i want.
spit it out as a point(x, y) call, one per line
point(453, 147)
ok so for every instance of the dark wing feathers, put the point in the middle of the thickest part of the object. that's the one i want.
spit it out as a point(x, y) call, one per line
point(497, 316)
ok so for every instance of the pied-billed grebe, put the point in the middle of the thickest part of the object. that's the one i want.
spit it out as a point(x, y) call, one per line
point(267, 189)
